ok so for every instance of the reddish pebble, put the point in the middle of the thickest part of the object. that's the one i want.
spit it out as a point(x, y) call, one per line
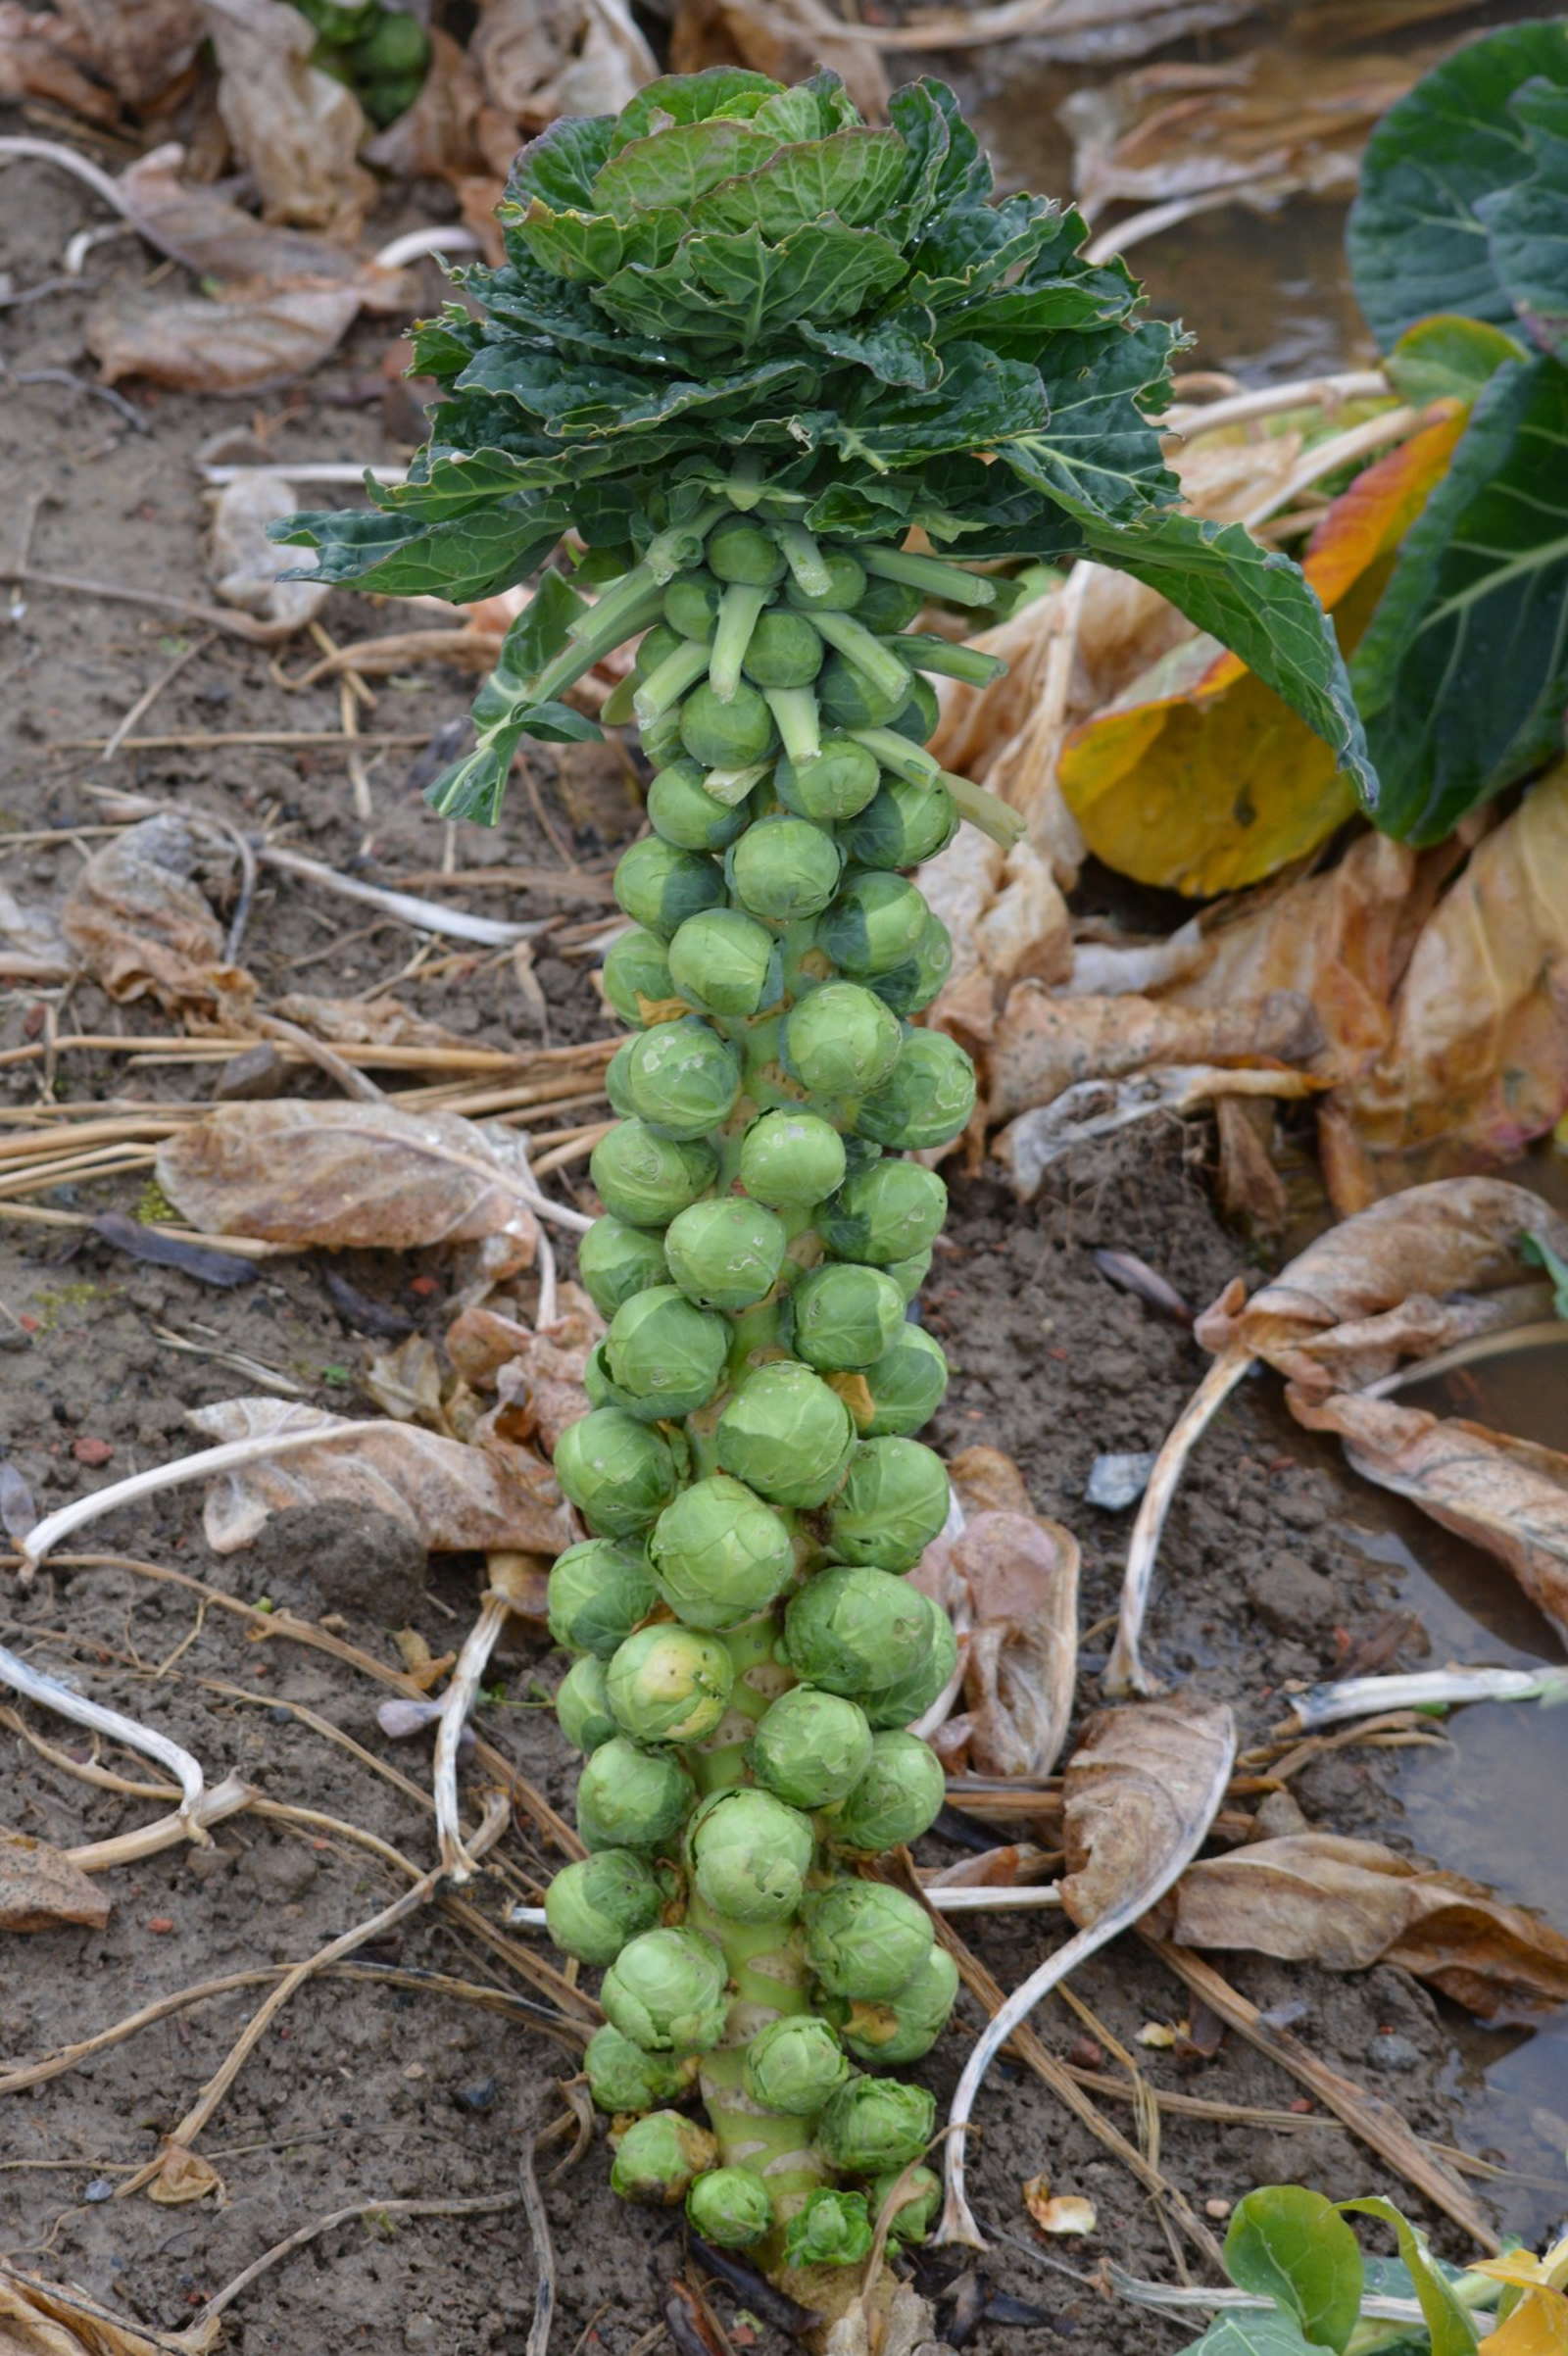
point(28, 1325)
point(160, 1922)
point(1302, 2106)
point(1085, 2054)
point(424, 1288)
point(33, 1022)
point(91, 1451)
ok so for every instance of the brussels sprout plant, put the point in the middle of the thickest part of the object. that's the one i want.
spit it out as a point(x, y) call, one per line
point(742, 348)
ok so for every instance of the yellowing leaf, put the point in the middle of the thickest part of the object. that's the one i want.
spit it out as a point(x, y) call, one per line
point(1538, 2327)
point(1199, 778)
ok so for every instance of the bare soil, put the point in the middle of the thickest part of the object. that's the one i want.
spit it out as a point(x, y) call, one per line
point(364, 2090)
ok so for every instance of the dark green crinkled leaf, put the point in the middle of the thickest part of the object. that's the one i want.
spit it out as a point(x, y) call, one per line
point(982, 403)
point(590, 246)
point(969, 252)
point(560, 165)
point(1292, 2246)
point(1015, 319)
point(540, 631)
point(1256, 602)
point(923, 123)
point(1463, 672)
point(895, 350)
point(853, 175)
point(1528, 224)
point(690, 98)
point(1100, 453)
point(1416, 242)
point(444, 346)
point(737, 286)
point(470, 556)
point(566, 314)
point(673, 168)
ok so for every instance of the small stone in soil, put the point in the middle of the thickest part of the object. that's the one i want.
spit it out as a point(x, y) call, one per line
point(281, 1870)
point(351, 1558)
point(481, 2097)
point(1389, 2050)
point(1116, 1482)
point(256, 1071)
point(1288, 1595)
point(101, 2188)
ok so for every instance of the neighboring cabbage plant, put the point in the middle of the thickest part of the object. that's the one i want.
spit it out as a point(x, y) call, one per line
point(744, 346)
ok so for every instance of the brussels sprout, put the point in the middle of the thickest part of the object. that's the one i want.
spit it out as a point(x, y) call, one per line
point(396, 48)
point(658, 2158)
point(903, 2027)
point(663, 741)
point(652, 647)
point(621, 2077)
point(884, 1214)
point(690, 605)
point(660, 886)
point(665, 1989)
point(875, 923)
point(598, 1592)
point(905, 1385)
point(683, 1078)
point(616, 1471)
point(615, 1260)
point(632, 1799)
point(845, 1315)
point(582, 1704)
point(636, 977)
point(911, 986)
point(840, 1041)
point(850, 700)
point(749, 1856)
point(927, 1098)
point(873, 2124)
point(646, 1179)
point(784, 868)
point(738, 550)
point(727, 1253)
point(592, 1907)
point(911, 1694)
point(917, 718)
point(794, 2064)
point(667, 1684)
point(898, 1799)
point(857, 1631)
point(888, 606)
point(911, 1274)
point(919, 2202)
point(900, 827)
point(680, 810)
point(727, 963)
point(893, 1504)
point(842, 779)
point(617, 1087)
point(723, 735)
point(810, 1748)
point(863, 1939)
point(846, 586)
point(784, 650)
point(789, 1159)
point(721, 1555)
point(830, 2229)
point(786, 1434)
point(730, 2207)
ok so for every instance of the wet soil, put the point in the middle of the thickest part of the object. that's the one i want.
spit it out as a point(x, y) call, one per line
point(363, 2091)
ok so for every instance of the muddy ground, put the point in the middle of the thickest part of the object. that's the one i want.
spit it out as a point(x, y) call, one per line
point(365, 2092)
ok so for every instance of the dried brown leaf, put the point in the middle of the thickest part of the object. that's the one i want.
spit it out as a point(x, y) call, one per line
point(1061, 2212)
point(787, 38)
point(540, 1387)
point(364, 1022)
point(363, 1175)
point(45, 2319)
point(141, 926)
point(1252, 1194)
point(1506, 1495)
point(40, 1889)
point(248, 344)
point(41, 59)
point(456, 1499)
point(985, 1480)
point(1141, 1783)
point(543, 58)
point(183, 2176)
point(246, 566)
point(138, 50)
point(1091, 1108)
point(296, 129)
point(405, 1382)
point(1020, 1573)
point(217, 239)
point(1045, 1044)
point(1348, 1905)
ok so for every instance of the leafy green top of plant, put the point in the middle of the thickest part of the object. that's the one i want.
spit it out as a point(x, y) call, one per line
point(738, 293)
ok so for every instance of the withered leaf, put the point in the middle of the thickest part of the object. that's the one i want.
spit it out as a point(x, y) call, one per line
point(1046, 1044)
point(364, 1021)
point(46, 2318)
point(138, 51)
point(220, 241)
point(1508, 1494)
point(1020, 1572)
point(297, 130)
point(1143, 1785)
point(1348, 1905)
point(986, 1479)
point(456, 1499)
point(39, 58)
point(243, 344)
point(539, 1384)
point(246, 566)
point(361, 1175)
point(183, 2176)
point(544, 58)
point(142, 927)
point(405, 1382)
point(40, 1889)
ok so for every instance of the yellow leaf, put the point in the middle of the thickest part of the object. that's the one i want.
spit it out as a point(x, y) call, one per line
point(1201, 779)
point(1538, 2327)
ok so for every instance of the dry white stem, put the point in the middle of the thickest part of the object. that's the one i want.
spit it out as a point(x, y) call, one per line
point(1191, 419)
point(1424, 1689)
point(982, 1898)
point(226, 1799)
point(322, 470)
point(36, 1684)
point(1124, 1671)
point(456, 1703)
point(1327, 457)
point(1195, 2296)
point(46, 1535)
point(415, 244)
point(958, 2221)
point(1548, 1334)
point(427, 914)
point(48, 151)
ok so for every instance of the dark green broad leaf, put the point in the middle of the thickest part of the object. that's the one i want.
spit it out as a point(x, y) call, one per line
point(560, 165)
point(1452, 2334)
point(737, 285)
point(971, 251)
point(1463, 672)
point(982, 403)
point(444, 345)
point(853, 175)
point(1254, 601)
point(1449, 358)
point(1292, 2246)
point(673, 168)
point(895, 350)
point(1015, 319)
point(1417, 239)
point(1250, 2334)
point(691, 98)
point(1100, 452)
point(589, 246)
point(475, 786)
point(608, 403)
point(469, 556)
point(536, 302)
point(509, 707)
point(1528, 223)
